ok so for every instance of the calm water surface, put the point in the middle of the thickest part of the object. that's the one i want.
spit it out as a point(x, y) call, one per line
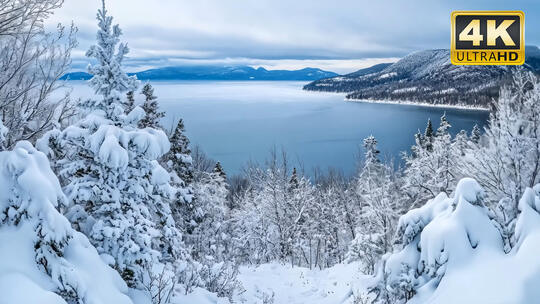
point(235, 122)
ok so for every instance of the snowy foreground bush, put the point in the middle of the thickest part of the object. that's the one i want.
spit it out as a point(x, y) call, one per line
point(451, 251)
point(43, 260)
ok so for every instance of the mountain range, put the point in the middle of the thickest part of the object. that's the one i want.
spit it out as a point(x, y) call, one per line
point(211, 72)
point(427, 77)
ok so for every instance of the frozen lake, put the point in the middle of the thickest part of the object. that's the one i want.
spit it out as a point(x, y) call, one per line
point(235, 122)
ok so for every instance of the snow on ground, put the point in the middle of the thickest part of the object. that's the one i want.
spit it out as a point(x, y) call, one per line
point(297, 285)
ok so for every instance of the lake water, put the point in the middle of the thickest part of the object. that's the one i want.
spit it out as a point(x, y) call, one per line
point(235, 122)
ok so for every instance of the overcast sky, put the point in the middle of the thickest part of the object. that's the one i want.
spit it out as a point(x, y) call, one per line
point(337, 35)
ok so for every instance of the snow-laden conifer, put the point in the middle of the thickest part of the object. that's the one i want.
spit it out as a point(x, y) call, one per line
point(120, 195)
point(43, 259)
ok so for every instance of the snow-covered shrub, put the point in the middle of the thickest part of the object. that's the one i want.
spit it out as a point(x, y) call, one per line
point(450, 251)
point(43, 259)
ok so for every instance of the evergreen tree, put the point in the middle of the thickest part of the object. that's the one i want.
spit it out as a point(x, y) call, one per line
point(130, 102)
point(118, 192)
point(378, 192)
point(371, 154)
point(38, 239)
point(179, 162)
point(179, 157)
point(208, 236)
point(475, 134)
point(151, 108)
point(444, 126)
point(428, 136)
point(429, 172)
point(461, 143)
point(293, 182)
point(219, 170)
point(108, 78)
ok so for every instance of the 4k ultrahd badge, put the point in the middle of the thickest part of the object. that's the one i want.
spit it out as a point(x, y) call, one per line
point(488, 38)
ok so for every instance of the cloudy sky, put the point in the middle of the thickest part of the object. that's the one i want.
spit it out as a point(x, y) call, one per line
point(337, 35)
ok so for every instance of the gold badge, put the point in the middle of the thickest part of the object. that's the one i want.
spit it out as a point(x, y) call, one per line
point(488, 38)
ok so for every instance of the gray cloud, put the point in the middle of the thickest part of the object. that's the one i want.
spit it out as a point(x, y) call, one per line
point(164, 32)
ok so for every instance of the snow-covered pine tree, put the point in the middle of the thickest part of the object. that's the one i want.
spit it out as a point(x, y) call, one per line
point(446, 158)
point(179, 162)
point(151, 108)
point(108, 168)
point(179, 159)
point(108, 78)
point(209, 237)
point(219, 170)
point(429, 172)
point(129, 104)
point(428, 136)
point(43, 258)
point(379, 193)
point(461, 143)
point(293, 182)
point(475, 134)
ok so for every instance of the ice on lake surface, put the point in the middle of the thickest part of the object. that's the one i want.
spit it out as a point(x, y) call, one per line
point(237, 122)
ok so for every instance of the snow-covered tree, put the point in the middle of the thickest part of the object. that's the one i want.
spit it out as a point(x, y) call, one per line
point(129, 104)
point(151, 108)
point(32, 61)
point(461, 143)
point(377, 188)
point(507, 160)
point(434, 164)
point(428, 136)
point(43, 258)
point(208, 235)
point(119, 193)
point(179, 159)
point(475, 134)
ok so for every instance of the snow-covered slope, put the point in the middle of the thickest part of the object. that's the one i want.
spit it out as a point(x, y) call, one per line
point(284, 284)
point(427, 77)
point(42, 259)
point(452, 252)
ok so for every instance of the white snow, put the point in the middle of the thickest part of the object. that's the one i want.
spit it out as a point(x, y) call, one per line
point(298, 285)
point(387, 75)
point(405, 90)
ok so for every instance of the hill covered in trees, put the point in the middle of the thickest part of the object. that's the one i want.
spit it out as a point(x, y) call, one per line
point(427, 77)
point(214, 72)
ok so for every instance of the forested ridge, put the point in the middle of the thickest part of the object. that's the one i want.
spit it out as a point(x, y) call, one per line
point(428, 77)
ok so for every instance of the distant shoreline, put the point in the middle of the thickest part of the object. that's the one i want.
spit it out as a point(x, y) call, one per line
point(420, 104)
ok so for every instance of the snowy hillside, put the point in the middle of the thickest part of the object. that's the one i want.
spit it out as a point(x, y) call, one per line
point(427, 77)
